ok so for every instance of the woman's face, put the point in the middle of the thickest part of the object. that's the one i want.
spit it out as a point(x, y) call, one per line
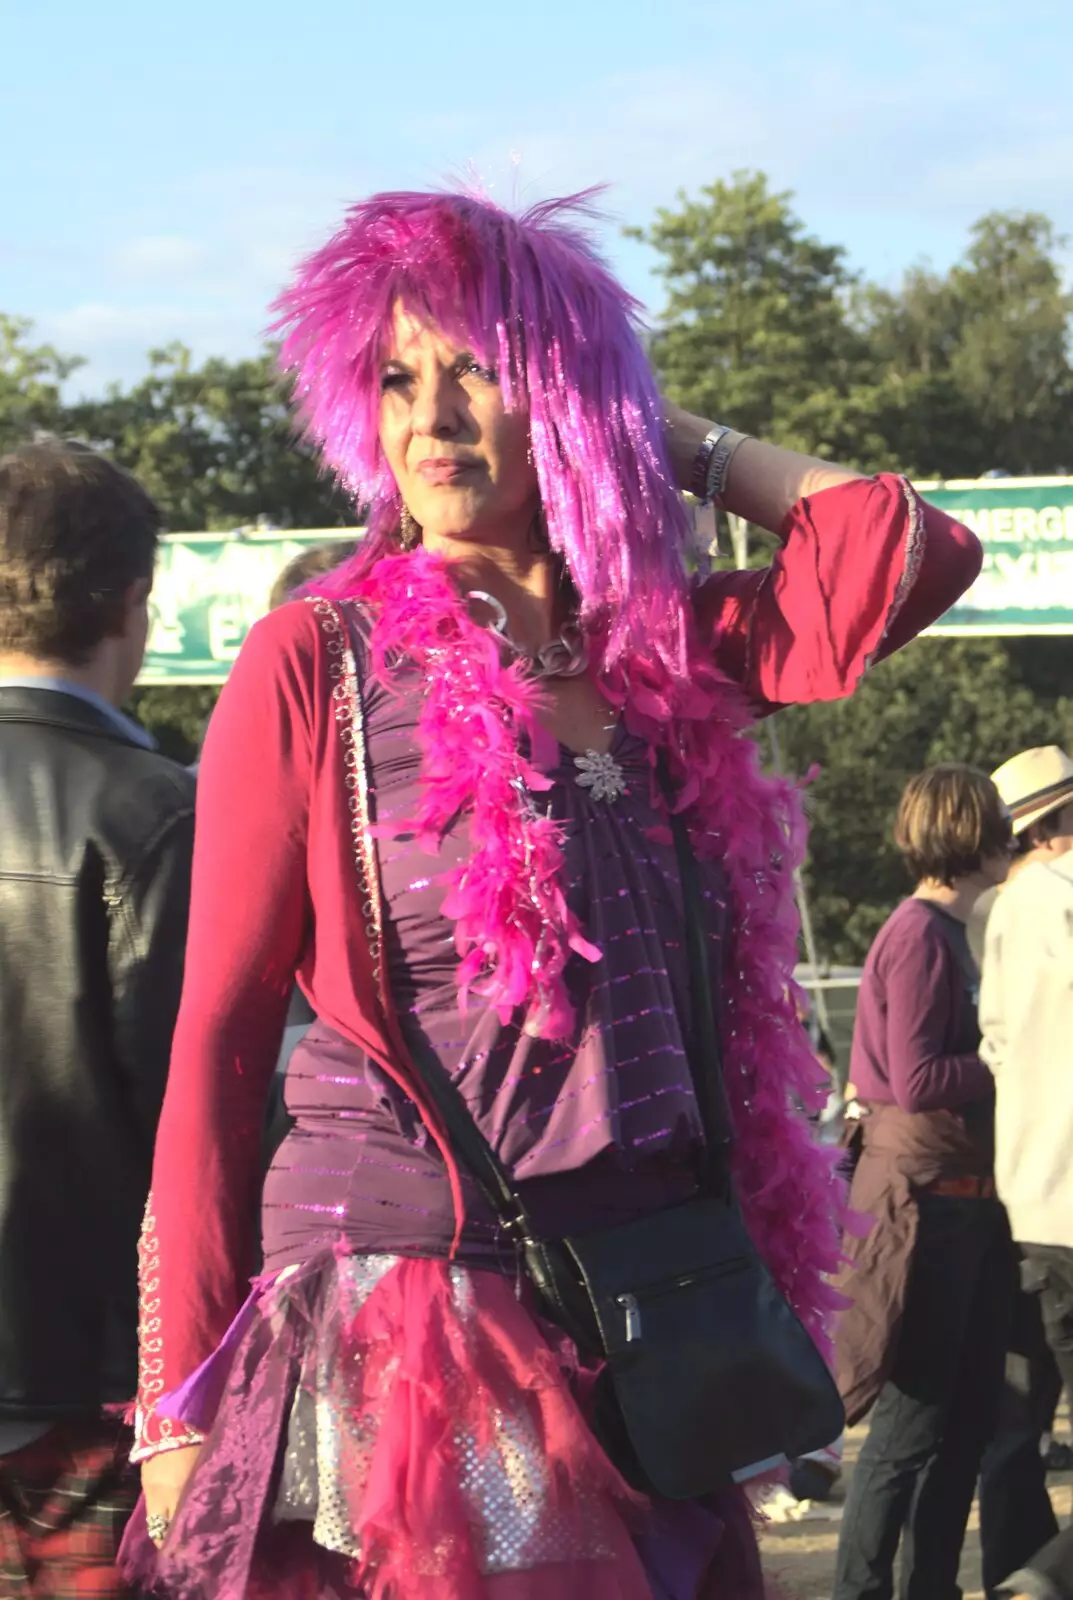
point(460, 458)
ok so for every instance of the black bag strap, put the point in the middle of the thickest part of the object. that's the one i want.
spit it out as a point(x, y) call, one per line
point(704, 1054)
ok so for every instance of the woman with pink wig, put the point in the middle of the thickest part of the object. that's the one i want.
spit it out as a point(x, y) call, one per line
point(435, 790)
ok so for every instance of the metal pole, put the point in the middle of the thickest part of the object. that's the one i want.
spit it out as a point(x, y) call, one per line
point(819, 996)
point(739, 535)
point(739, 538)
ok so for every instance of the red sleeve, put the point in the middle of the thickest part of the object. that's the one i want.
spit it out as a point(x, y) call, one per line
point(917, 975)
point(247, 931)
point(865, 567)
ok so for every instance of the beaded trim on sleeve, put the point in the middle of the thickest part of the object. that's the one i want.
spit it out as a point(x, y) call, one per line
point(914, 555)
point(347, 707)
point(153, 1434)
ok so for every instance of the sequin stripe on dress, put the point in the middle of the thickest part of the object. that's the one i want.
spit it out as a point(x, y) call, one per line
point(153, 1434)
point(347, 708)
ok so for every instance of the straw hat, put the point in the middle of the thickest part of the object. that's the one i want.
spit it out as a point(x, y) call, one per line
point(1035, 783)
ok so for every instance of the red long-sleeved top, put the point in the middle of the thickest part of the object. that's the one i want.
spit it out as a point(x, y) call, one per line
point(864, 567)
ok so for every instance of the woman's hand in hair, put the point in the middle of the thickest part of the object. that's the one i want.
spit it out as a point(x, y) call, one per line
point(764, 482)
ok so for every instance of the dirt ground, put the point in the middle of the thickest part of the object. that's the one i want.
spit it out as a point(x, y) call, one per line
point(800, 1556)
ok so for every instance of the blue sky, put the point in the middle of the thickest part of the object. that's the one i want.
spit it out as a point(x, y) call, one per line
point(162, 166)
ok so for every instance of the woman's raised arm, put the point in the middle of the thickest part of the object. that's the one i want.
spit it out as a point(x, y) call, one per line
point(763, 482)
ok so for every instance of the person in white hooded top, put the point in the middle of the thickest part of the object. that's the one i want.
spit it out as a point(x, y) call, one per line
point(1026, 1017)
point(1026, 1007)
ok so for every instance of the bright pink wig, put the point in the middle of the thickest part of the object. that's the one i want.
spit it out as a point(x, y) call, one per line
point(532, 297)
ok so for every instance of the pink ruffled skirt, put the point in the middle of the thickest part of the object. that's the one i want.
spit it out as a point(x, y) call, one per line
point(402, 1429)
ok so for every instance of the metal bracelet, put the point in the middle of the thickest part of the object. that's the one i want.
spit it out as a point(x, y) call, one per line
point(698, 477)
point(709, 474)
point(719, 466)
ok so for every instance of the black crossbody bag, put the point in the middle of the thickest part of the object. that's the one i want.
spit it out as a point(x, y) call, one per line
point(707, 1372)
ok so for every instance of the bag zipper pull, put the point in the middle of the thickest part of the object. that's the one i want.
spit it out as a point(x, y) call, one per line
point(628, 1302)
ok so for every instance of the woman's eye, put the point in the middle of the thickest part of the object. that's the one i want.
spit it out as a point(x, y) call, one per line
point(474, 369)
point(393, 380)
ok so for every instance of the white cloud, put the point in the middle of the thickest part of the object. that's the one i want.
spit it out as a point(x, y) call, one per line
point(95, 323)
point(115, 339)
point(893, 154)
point(209, 283)
point(160, 256)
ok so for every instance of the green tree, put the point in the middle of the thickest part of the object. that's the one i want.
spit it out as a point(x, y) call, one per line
point(31, 380)
point(939, 700)
point(1013, 355)
point(973, 367)
point(948, 375)
point(216, 445)
point(756, 326)
point(175, 714)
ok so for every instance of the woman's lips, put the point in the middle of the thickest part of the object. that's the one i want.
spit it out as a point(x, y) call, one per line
point(443, 469)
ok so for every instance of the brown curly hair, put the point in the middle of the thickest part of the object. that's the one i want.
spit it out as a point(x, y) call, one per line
point(76, 532)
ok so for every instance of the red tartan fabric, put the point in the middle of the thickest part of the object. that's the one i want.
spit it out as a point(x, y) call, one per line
point(64, 1502)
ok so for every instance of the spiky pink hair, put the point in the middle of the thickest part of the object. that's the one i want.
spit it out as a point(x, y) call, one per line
point(532, 296)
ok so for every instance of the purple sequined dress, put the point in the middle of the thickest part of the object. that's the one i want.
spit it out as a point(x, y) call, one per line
point(596, 1130)
point(599, 1128)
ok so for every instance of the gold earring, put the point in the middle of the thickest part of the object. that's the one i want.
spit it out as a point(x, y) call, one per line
point(409, 531)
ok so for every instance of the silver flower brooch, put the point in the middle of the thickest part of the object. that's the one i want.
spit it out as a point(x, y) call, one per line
point(601, 775)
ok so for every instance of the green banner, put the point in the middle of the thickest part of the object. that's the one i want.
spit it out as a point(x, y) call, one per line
point(1026, 526)
point(209, 590)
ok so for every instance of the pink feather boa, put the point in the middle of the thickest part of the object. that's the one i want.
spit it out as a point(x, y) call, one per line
point(514, 932)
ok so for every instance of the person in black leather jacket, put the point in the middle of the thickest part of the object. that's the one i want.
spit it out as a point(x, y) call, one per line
point(95, 848)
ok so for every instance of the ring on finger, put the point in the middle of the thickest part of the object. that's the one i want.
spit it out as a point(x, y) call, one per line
point(157, 1524)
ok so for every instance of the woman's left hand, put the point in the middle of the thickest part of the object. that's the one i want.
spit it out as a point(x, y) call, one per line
point(164, 1477)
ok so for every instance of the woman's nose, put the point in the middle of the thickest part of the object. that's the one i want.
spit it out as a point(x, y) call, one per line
point(436, 411)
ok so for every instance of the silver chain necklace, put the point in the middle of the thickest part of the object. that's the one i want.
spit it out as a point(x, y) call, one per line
point(566, 656)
